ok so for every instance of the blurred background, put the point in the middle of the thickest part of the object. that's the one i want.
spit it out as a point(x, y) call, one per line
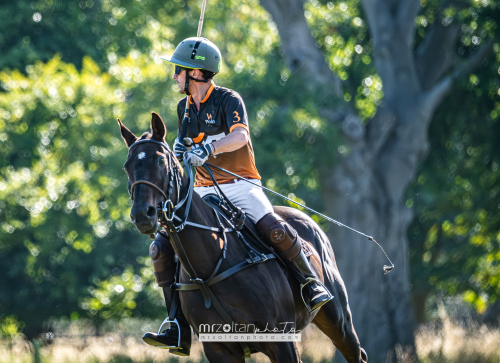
point(382, 114)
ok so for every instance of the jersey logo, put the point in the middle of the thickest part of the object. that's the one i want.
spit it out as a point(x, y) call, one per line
point(237, 117)
point(209, 120)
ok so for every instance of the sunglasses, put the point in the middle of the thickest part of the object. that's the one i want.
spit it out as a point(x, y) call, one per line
point(178, 70)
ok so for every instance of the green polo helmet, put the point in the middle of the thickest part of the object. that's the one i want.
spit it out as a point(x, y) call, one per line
point(196, 53)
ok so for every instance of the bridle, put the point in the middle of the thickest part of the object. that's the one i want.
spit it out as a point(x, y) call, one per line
point(166, 208)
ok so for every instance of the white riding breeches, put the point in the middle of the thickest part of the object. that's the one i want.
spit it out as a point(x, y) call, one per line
point(248, 197)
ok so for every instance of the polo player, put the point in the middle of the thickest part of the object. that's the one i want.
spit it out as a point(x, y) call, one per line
point(219, 130)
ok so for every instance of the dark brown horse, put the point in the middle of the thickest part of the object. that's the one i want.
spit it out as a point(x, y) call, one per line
point(264, 294)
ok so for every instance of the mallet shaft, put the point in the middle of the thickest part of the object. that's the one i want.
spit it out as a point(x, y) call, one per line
point(200, 24)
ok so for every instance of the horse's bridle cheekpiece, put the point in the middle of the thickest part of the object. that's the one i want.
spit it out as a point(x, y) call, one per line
point(166, 209)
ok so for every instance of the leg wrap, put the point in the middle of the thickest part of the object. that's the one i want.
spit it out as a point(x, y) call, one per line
point(280, 235)
point(162, 254)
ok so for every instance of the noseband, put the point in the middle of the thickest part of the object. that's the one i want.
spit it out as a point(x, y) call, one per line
point(166, 209)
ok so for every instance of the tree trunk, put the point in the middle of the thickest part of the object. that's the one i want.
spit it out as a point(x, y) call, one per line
point(366, 191)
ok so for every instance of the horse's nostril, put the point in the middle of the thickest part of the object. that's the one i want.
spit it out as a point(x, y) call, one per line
point(151, 211)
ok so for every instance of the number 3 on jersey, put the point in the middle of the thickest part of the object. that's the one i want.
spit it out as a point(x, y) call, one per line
point(236, 116)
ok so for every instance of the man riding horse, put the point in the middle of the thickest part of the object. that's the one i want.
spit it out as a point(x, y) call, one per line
point(219, 130)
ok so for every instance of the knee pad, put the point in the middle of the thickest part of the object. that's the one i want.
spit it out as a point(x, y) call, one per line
point(282, 237)
point(162, 255)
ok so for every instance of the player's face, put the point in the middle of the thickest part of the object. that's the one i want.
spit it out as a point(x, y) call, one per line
point(180, 78)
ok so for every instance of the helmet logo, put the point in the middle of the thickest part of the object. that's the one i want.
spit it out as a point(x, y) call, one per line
point(199, 57)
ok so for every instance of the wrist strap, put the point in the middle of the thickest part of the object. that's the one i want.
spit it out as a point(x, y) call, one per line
point(212, 147)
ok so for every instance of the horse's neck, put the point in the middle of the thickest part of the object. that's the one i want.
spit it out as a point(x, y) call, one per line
point(203, 247)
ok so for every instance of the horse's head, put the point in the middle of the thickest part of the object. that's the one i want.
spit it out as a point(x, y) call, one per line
point(147, 162)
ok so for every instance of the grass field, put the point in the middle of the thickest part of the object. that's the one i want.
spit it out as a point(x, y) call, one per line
point(444, 342)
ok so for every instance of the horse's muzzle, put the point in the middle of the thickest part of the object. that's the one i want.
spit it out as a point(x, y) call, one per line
point(145, 218)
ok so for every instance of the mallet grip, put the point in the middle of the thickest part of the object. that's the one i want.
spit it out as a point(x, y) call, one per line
point(184, 127)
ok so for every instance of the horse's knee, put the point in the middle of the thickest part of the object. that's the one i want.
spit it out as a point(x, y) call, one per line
point(162, 254)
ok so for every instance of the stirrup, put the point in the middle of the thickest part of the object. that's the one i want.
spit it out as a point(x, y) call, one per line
point(309, 280)
point(170, 322)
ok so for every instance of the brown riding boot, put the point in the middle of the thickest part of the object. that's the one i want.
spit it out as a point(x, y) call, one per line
point(285, 240)
point(177, 338)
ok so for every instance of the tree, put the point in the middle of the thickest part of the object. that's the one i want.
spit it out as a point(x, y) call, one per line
point(454, 245)
point(367, 189)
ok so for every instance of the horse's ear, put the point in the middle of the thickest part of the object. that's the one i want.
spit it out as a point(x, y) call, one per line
point(127, 135)
point(158, 127)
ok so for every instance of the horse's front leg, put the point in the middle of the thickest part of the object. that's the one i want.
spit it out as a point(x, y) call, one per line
point(223, 352)
point(283, 352)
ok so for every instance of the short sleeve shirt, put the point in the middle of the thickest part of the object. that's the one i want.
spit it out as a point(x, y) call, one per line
point(220, 112)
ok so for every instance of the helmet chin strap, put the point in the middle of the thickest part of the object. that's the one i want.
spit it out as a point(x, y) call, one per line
point(188, 78)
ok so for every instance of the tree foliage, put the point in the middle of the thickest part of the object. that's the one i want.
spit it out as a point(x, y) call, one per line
point(455, 238)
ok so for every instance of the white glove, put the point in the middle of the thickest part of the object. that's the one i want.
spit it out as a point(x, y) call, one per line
point(179, 149)
point(198, 156)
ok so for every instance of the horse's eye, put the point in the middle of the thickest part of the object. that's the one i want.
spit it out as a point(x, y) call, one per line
point(162, 161)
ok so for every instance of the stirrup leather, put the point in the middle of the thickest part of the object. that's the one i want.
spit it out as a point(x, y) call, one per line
point(309, 280)
point(170, 322)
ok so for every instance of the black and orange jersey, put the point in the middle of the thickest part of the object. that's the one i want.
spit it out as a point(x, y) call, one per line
point(220, 112)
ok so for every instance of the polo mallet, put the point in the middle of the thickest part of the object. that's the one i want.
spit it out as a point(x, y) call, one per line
point(185, 121)
point(187, 142)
